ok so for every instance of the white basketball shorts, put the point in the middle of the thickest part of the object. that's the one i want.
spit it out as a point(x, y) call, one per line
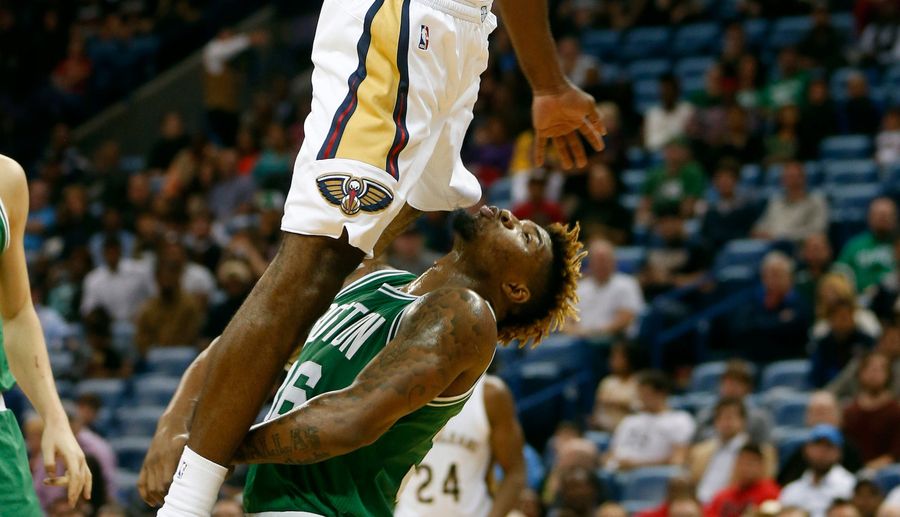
point(394, 84)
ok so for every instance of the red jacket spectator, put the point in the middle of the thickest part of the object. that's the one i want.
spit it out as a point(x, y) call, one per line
point(750, 487)
point(871, 421)
point(538, 208)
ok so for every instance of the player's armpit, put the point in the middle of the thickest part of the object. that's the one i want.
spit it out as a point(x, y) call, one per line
point(445, 336)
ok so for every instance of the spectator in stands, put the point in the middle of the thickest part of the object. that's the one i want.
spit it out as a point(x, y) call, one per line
point(657, 435)
point(119, 287)
point(846, 384)
point(247, 151)
point(673, 260)
point(72, 75)
point(196, 280)
point(172, 139)
point(835, 288)
point(74, 221)
point(823, 45)
point(678, 183)
point(887, 143)
point(491, 150)
point(867, 496)
point(600, 213)
point(87, 410)
point(815, 259)
point(842, 508)
point(609, 301)
point(871, 421)
point(731, 214)
point(101, 359)
point(618, 391)
point(611, 510)
point(869, 256)
point(111, 226)
point(734, 47)
point(200, 245)
point(773, 325)
point(273, 168)
point(783, 145)
point(825, 480)
point(747, 487)
point(859, 112)
point(579, 67)
point(844, 340)
point(679, 488)
point(41, 216)
point(736, 383)
point(537, 207)
point(788, 88)
point(884, 296)
point(235, 280)
point(571, 452)
point(795, 213)
point(232, 191)
point(529, 505)
point(668, 120)
point(736, 140)
point(408, 252)
point(712, 461)
point(749, 83)
point(818, 119)
point(880, 41)
point(579, 493)
point(822, 409)
point(172, 317)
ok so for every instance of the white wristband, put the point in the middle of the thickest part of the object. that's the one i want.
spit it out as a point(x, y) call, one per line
point(195, 487)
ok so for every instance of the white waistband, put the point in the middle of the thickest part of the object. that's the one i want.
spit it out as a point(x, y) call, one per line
point(2, 403)
point(461, 9)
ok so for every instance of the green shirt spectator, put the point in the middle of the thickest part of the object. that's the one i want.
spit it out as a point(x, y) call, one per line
point(677, 183)
point(870, 255)
point(790, 86)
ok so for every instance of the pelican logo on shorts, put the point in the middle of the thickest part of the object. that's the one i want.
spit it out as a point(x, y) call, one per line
point(423, 37)
point(353, 194)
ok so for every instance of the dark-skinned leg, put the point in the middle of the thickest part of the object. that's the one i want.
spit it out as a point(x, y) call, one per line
point(295, 291)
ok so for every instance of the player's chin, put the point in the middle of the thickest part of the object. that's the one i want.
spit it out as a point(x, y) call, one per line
point(464, 224)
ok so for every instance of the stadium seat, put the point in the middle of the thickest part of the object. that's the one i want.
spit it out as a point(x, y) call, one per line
point(693, 67)
point(600, 43)
point(786, 374)
point(170, 360)
point(888, 477)
point(139, 421)
point(126, 482)
point(648, 68)
point(61, 361)
point(600, 439)
point(500, 193)
point(630, 258)
point(154, 390)
point(130, 451)
point(647, 486)
point(790, 411)
point(695, 402)
point(843, 172)
point(751, 175)
point(634, 179)
point(705, 377)
point(788, 31)
point(644, 42)
point(740, 259)
point(696, 38)
point(64, 388)
point(755, 31)
point(846, 147)
point(790, 442)
point(110, 391)
point(844, 23)
point(637, 158)
point(850, 203)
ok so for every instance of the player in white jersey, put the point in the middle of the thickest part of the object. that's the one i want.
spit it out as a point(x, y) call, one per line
point(453, 479)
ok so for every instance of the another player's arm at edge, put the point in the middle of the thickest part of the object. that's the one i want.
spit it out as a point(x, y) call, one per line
point(24, 343)
point(446, 336)
point(507, 444)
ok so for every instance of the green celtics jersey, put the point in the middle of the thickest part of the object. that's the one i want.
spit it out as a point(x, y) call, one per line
point(6, 378)
point(362, 320)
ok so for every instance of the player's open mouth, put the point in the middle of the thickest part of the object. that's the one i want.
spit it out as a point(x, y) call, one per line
point(489, 211)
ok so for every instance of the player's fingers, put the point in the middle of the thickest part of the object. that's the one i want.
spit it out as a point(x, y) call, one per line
point(48, 451)
point(592, 136)
point(88, 481)
point(562, 149)
point(56, 481)
point(577, 149)
point(540, 149)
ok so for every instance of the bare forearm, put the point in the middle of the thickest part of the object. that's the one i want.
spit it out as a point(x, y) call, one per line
point(528, 27)
point(508, 493)
point(180, 411)
point(30, 365)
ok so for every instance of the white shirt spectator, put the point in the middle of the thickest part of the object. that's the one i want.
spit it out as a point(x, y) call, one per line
point(887, 148)
point(120, 293)
point(794, 220)
point(816, 498)
point(599, 303)
point(198, 280)
point(661, 126)
point(717, 475)
point(651, 437)
point(218, 51)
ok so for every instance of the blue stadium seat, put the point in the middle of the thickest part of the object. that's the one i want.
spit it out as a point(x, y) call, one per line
point(170, 360)
point(846, 147)
point(696, 402)
point(630, 258)
point(61, 361)
point(850, 202)
point(500, 192)
point(647, 485)
point(126, 481)
point(648, 68)
point(786, 374)
point(139, 421)
point(751, 175)
point(845, 24)
point(790, 442)
point(630, 201)
point(600, 439)
point(705, 377)
point(790, 411)
point(64, 388)
point(154, 390)
point(756, 31)
point(740, 259)
point(634, 179)
point(843, 172)
point(788, 31)
point(110, 391)
point(696, 38)
point(644, 42)
point(693, 66)
point(637, 158)
point(892, 177)
point(888, 477)
point(130, 451)
point(600, 43)
point(815, 174)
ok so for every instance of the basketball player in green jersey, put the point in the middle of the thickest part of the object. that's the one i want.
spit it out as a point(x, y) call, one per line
point(392, 360)
point(23, 359)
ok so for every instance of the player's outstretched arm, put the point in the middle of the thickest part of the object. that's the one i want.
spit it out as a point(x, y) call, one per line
point(445, 336)
point(507, 445)
point(560, 111)
point(24, 342)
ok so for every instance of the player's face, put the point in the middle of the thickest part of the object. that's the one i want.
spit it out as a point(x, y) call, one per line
point(504, 244)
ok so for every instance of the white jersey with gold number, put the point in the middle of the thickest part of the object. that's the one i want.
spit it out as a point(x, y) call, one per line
point(452, 479)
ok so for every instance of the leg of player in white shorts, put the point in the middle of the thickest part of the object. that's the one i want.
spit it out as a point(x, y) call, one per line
point(393, 88)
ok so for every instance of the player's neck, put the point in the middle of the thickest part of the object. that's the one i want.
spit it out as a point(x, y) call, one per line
point(450, 271)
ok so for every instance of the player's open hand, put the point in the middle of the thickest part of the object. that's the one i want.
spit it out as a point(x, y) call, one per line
point(59, 442)
point(560, 117)
point(159, 465)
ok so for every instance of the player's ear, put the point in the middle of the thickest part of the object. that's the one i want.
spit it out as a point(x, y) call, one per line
point(516, 292)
